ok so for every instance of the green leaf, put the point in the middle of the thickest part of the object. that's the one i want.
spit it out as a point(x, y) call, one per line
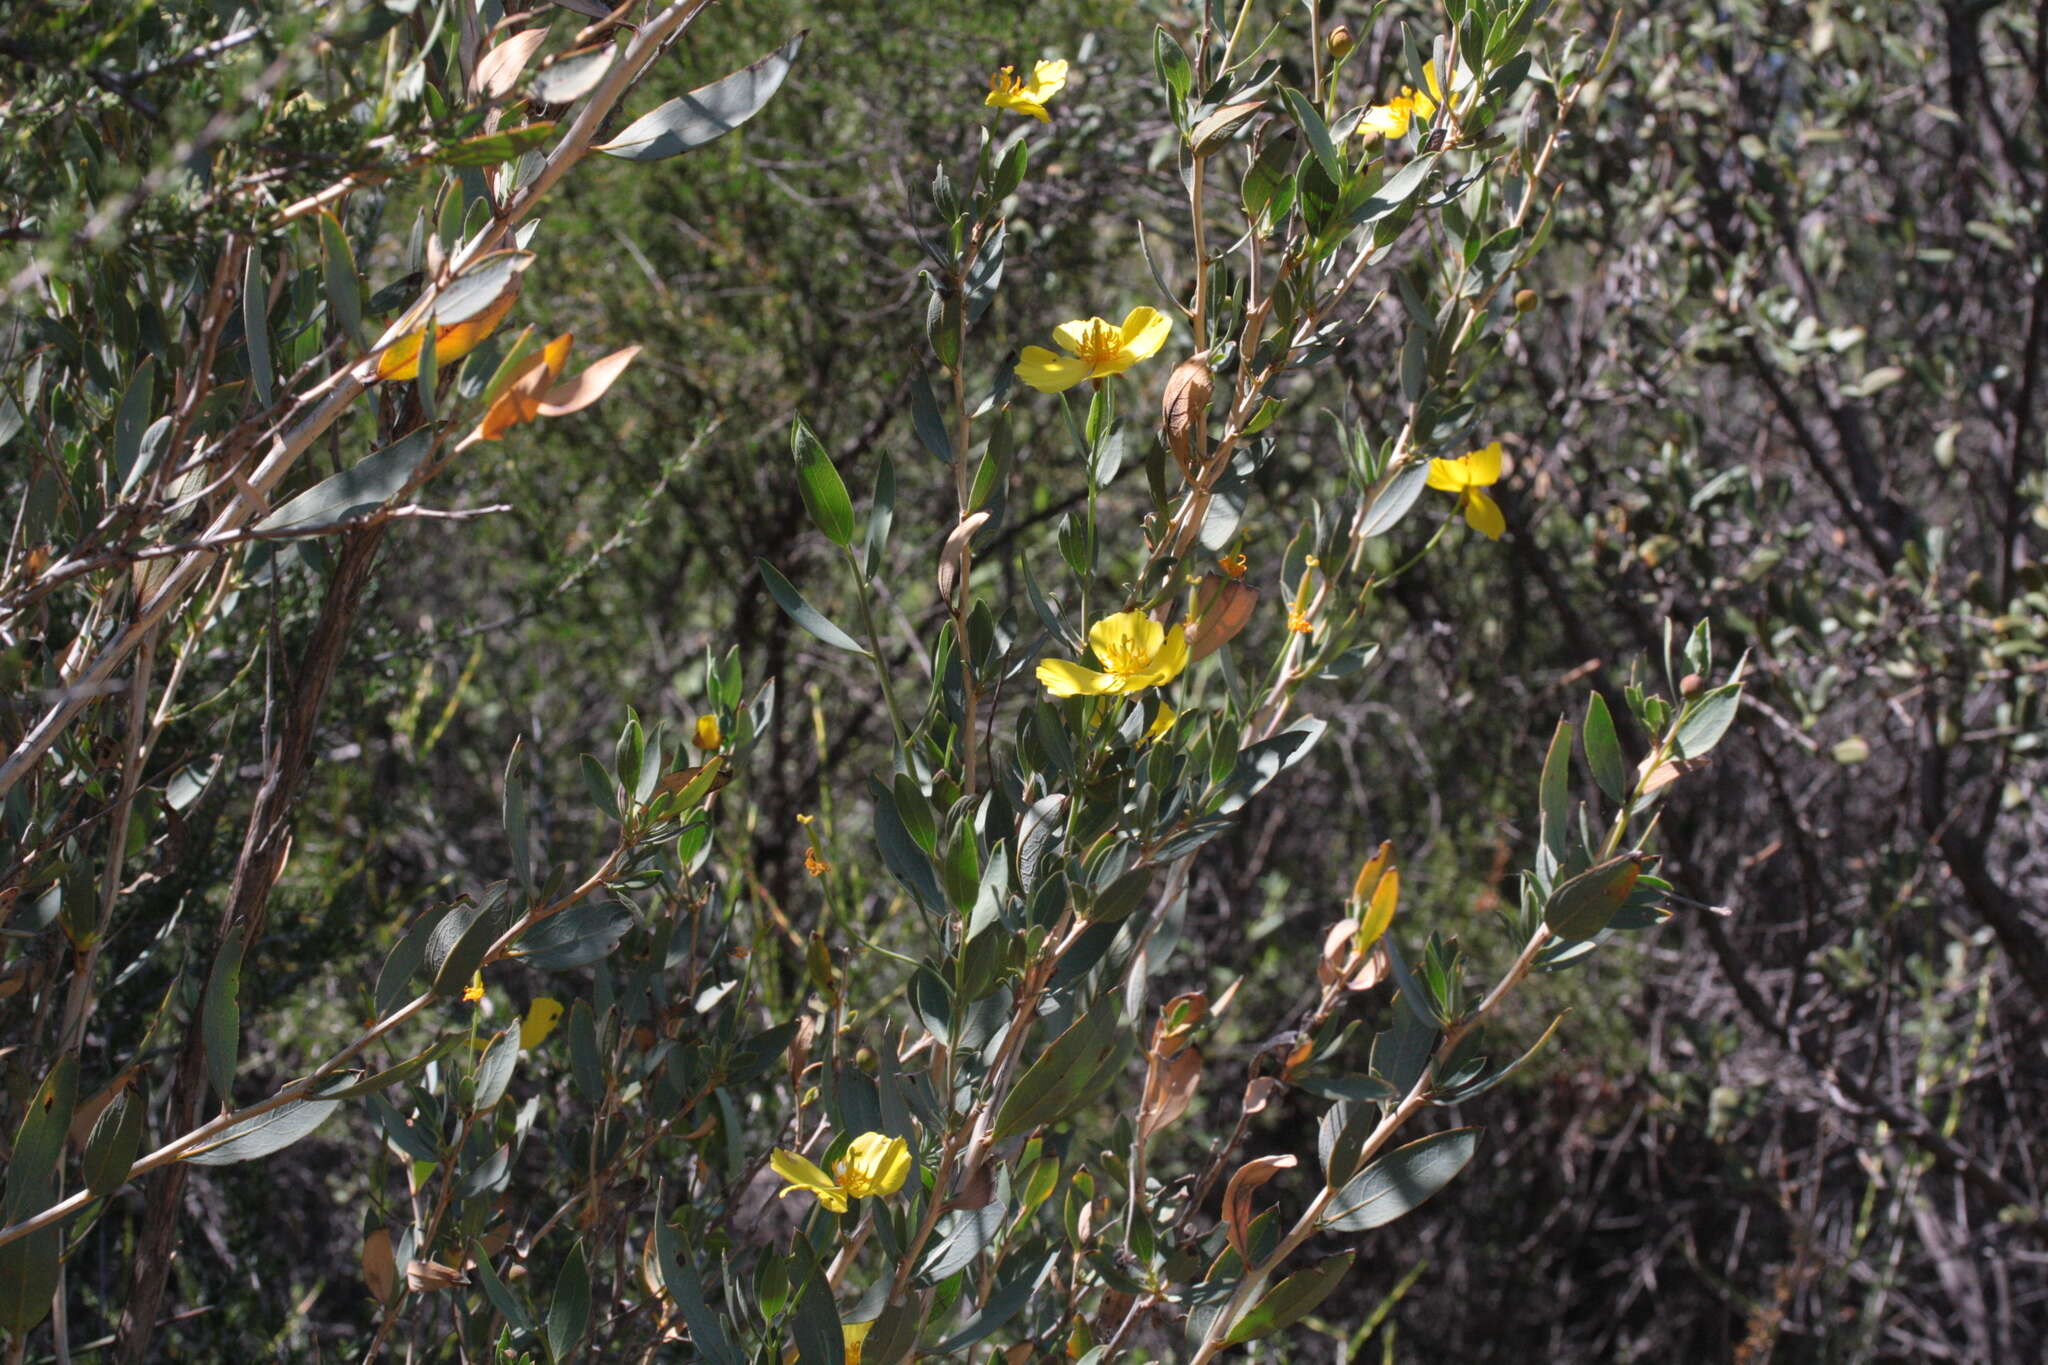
point(256, 325)
point(1603, 750)
point(221, 1019)
point(115, 1141)
point(1006, 1301)
point(1554, 791)
point(515, 820)
point(1396, 496)
point(344, 285)
point(679, 1277)
point(705, 114)
point(392, 1075)
point(1315, 131)
point(1080, 1064)
point(1291, 1300)
point(489, 149)
point(1580, 907)
point(803, 613)
point(569, 1309)
point(1396, 193)
point(503, 1299)
point(394, 979)
point(29, 1265)
point(1706, 720)
point(576, 937)
point(824, 492)
point(130, 421)
point(926, 420)
point(814, 1318)
point(1400, 1182)
point(361, 488)
point(457, 946)
point(494, 1071)
point(479, 287)
point(268, 1132)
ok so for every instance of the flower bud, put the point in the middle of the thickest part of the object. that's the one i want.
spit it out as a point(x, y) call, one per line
point(1690, 685)
point(1341, 42)
point(1525, 300)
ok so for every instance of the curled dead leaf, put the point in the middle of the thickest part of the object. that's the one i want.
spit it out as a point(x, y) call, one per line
point(1222, 608)
point(953, 555)
point(1184, 407)
point(424, 1277)
point(498, 70)
point(1237, 1198)
point(1169, 1090)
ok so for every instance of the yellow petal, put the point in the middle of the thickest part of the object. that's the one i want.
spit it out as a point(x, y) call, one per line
point(1448, 476)
point(882, 1161)
point(1425, 105)
point(1072, 335)
point(1144, 331)
point(1169, 660)
point(1048, 372)
point(1047, 79)
point(1161, 723)
point(1130, 633)
point(1483, 515)
point(541, 1017)
point(803, 1175)
point(1384, 120)
point(1482, 466)
point(1064, 678)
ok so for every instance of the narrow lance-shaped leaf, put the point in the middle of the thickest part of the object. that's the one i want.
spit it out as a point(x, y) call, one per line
point(707, 113)
point(803, 613)
point(824, 492)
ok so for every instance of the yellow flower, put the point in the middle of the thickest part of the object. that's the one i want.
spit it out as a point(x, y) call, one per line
point(709, 737)
point(473, 993)
point(541, 1017)
point(1465, 476)
point(401, 359)
point(1096, 349)
point(1392, 118)
point(1298, 622)
point(1135, 651)
point(1008, 90)
point(533, 391)
point(874, 1167)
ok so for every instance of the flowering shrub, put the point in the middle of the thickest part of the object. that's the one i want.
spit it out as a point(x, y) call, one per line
point(972, 1088)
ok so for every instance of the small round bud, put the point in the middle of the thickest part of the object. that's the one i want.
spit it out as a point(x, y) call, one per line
point(1526, 300)
point(1690, 685)
point(1341, 42)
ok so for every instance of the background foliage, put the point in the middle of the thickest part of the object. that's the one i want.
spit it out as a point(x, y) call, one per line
point(1781, 374)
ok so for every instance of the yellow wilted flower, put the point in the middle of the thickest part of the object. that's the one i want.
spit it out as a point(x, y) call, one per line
point(1233, 566)
point(1008, 90)
point(874, 1167)
point(1161, 723)
point(473, 993)
point(532, 391)
point(1135, 651)
point(541, 1017)
point(708, 736)
point(1465, 476)
point(1097, 348)
point(1392, 118)
point(401, 359)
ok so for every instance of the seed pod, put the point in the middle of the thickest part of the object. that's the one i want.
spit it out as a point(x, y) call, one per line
point(1185, 407)
point(1222, 607)
point(954, 552)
